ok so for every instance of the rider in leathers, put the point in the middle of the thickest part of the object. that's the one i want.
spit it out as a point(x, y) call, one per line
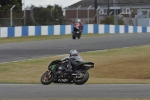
point(81, 26)
point(74, 59)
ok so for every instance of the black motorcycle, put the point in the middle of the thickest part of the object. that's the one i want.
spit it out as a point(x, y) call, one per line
point(57, 73)
point(76, 31)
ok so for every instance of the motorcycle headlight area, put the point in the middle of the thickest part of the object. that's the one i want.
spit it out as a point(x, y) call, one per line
point(52, 67)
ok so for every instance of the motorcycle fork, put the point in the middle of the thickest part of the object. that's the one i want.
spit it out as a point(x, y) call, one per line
point(49, 74)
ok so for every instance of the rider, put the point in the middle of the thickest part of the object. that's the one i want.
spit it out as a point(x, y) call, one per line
point(74, 59)
point(81, 26)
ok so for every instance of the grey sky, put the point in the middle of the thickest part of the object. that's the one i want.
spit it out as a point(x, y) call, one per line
point(63, 3)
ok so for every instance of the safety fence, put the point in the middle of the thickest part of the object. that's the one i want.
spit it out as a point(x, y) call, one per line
point(67, 29)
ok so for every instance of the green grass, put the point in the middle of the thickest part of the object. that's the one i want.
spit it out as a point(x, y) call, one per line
point(114, 66)
point(38, 38)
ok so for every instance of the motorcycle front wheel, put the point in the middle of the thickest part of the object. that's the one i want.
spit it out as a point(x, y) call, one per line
point(73, 35)
point(79, 35)
point(47, 78)
point(84, 76)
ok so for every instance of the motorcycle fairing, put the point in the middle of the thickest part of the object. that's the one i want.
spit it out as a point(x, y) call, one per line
point(86, 65)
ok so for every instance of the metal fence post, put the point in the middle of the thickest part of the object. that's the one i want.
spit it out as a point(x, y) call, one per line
point(130, 19)
point(52, 11)
point(77, 11)
point(99, 19)
point(11, 15)
point(24, 14)
point(88, 12)
point(115, 12)
point(97, 14)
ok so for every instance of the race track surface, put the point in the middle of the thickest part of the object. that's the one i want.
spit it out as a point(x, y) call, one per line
point(29, 50)
point(31, 91)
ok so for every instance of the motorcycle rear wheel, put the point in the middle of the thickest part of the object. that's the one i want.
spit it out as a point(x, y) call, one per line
point(47, 78)
point(82, 80)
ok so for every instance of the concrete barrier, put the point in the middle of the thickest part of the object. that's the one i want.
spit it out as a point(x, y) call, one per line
point(20, 31)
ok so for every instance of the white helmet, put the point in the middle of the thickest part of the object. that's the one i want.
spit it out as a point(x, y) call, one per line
point(78, 21)
point(73, 52)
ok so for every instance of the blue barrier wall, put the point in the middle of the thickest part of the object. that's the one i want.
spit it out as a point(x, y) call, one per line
point(67, 29)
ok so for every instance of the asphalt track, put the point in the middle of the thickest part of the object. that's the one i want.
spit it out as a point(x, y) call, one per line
point(31, 91)
point(29, 50)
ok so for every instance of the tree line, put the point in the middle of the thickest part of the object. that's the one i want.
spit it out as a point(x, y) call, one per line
point(50, 15)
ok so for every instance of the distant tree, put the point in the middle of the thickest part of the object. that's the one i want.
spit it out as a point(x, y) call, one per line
point(34, 15)
point(7, 4)
point(47, 16)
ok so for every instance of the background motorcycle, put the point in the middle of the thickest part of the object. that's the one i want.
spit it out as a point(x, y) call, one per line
point(57, 73)
point(76, 31)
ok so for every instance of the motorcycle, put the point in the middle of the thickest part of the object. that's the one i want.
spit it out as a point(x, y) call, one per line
point(57, 73)
point(76, 31)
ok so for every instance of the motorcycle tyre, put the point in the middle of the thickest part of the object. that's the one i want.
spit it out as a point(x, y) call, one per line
point(79, 35)
point(73, 35)
point(84, 80)
point(49, 81)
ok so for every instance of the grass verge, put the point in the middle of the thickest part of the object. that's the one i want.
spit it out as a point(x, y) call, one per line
point(114, 66)
point(47, 37)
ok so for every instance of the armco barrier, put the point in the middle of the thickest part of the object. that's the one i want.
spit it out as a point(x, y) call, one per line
point(67, 29)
